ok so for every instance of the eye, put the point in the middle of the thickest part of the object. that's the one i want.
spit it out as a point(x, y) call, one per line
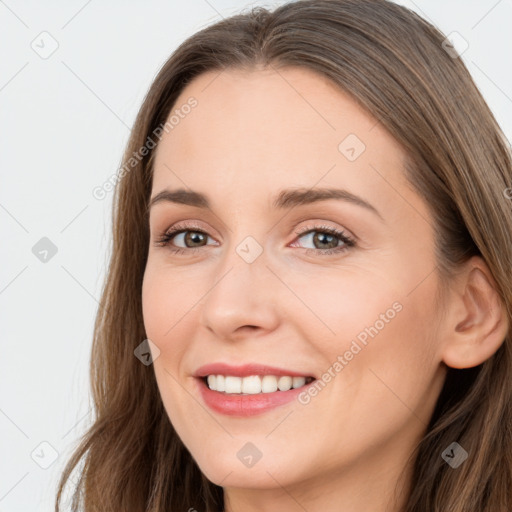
point(330, 240)
point(187, 234)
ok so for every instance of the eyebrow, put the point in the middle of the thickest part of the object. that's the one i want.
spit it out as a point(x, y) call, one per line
point(288, 198)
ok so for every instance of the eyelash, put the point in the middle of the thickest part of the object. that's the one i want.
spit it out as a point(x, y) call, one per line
point(165, 239)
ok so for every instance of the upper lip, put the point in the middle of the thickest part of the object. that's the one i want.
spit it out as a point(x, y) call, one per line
point(245, 370)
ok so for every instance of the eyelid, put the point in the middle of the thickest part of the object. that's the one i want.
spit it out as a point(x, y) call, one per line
point(186, 225)
point(313, 224)
point(316, 226)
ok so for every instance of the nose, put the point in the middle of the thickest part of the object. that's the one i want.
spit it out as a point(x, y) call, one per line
point(243, 299)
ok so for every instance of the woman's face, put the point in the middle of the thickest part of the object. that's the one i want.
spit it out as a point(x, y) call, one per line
point(260, 279)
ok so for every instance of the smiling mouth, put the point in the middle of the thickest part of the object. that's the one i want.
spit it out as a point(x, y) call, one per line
point(254, 384)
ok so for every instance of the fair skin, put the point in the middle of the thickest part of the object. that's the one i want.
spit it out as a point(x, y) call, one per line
point(251, 135)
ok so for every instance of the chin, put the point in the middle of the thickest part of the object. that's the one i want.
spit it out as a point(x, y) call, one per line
point(228, 471)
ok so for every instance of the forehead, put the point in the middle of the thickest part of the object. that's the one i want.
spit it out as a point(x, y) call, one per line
point(266, 129)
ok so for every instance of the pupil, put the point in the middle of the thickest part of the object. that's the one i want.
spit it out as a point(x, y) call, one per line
point(195, 237)
point(325, 235)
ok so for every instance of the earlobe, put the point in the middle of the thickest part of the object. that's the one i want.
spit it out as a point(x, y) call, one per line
point(478, 322)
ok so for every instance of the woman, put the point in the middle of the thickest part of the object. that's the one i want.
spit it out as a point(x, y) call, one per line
point(308, 305)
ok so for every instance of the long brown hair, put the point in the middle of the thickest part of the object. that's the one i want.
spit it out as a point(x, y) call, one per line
point(393, 63)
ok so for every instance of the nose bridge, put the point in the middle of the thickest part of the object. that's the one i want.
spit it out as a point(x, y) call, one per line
point(241, 293)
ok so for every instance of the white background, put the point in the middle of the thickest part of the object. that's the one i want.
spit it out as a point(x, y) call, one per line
point(65, 121)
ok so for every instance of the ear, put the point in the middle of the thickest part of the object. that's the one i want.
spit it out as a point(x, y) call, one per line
point(477, 320)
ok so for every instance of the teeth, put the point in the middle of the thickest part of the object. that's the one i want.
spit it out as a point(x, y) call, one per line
point(269, 384)
point(254, 384)
point(284, 383)
point(232, 384)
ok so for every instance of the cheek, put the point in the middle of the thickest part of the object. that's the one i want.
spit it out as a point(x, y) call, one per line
point(346, 307)
point(166, 298)
point(371, 334)
point(167, 325)
point(390, 365)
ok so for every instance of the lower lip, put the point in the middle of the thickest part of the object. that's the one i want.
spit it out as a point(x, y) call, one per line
point(246, 405)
